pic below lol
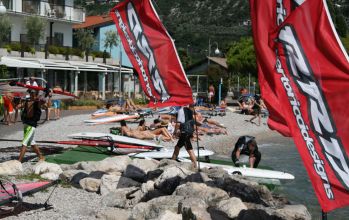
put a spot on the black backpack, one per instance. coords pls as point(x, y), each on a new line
point(188, 126)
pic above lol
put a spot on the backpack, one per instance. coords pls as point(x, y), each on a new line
point(188, 126)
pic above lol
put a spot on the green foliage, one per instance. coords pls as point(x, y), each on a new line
point(5, 27)
point(111, 40)
point(3, 72)
point(32, 50)
point(53, 49)
point(82, 102)
point(35, 29)
point(30, 176)
point(140, 101)
point(241, 57)
point(184, 57)
point(341, 26)
point(85, 39)
point(8, 48)
point(345, 42)
point(99, 54)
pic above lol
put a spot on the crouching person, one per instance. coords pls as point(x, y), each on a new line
point(246, 145)
point(30, 116)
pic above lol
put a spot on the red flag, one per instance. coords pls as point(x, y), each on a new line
point(152, 53)
point(311, 80)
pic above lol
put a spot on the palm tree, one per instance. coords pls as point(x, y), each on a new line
point(111, 39)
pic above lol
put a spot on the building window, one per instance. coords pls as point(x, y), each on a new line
point(58, 39)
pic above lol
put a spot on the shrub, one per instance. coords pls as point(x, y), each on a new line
point(8, 48)
point(99, 54)
point(53, 50)
point(32, 50)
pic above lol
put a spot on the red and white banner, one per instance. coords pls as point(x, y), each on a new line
point(306, 69)
point(152, 53)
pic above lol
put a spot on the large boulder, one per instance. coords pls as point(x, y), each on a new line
point(110, 164)
point(209, 194)
point(167, 163)
point(139, 168)
point(231, 207)
point(45, 167)
point(234, 188)
point(113, 182)
point(90, 184)
point(168, 181)
point(193, 208)
point(119, 198)
point(256, 214)
point(154, 208)
point(168, 215)
point(11, 167)
point(113, 214)
point(198, 177)
point(296, 212)
point(47, 170)
point(68, 175)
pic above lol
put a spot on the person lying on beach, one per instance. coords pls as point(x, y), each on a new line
point(158, 130)
point(200, 120)
point(211, 129)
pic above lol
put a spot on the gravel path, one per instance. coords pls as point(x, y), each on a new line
point(72, 203)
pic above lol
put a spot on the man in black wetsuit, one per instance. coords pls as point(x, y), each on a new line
point(246, 145)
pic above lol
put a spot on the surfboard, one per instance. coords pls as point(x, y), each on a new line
point(167, 153)
point(116, 138)
point(109, 119)
point(248, 172)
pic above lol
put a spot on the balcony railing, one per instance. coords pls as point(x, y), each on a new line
point(46, 9)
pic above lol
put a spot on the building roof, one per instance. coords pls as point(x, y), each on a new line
point(220, 61)
point(95, 21)
point(36, 63)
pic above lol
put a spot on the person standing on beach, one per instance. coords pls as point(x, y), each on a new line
point(30, 116)
point(211, 93)
point(246, 145)
point(185, 121)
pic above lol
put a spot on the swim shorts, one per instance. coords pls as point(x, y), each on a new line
point(29, 132)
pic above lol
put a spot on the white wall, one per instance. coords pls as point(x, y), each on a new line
point(18, 27)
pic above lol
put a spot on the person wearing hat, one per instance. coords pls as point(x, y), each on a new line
point(30, 116)
point(246, 145)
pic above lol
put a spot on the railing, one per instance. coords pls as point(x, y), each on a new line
point(46, 9)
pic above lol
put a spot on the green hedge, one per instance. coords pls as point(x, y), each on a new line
point(17, 47)
point(81, 102)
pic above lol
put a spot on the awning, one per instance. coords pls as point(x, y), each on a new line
point(36, 63)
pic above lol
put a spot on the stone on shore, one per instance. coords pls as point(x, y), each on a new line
point(232, 207)
point(209, 194)
point(138, 169)
point(114, 214)
point(168, 181)
point(110, 164)
point(47, 170)
point(298, 212)
point(112, 182)
point(11, 168)
point(90, 184)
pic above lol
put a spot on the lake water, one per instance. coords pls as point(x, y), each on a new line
point(281, 154)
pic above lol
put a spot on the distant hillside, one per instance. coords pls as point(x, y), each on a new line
point(193, 22)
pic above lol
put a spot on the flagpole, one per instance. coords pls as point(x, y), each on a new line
point(324, 215)
point(197, 139)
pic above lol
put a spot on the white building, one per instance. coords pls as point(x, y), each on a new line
point(61, 15)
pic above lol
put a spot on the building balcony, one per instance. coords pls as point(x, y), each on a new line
point(45, 9)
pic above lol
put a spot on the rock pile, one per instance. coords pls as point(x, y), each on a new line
point(166, 189)
point(149, 189)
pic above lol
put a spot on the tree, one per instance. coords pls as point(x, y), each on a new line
point(35, 29)
point(3, 72)
point(241, 57)
point(85, 39)
point(5, 27)
point(111, 40)
point(184, 57)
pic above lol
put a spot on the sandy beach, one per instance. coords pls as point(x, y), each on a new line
point(73, 203)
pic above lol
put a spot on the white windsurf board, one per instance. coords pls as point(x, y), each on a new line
point(115, 118)
point(167, 153)
point(116, 138)
point(249, 172)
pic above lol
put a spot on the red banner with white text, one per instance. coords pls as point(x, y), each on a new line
point(152, 53)
point(307, 70)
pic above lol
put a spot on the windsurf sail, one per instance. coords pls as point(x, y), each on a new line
point(10, 191)
point(152, 53)
point(304, 74)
